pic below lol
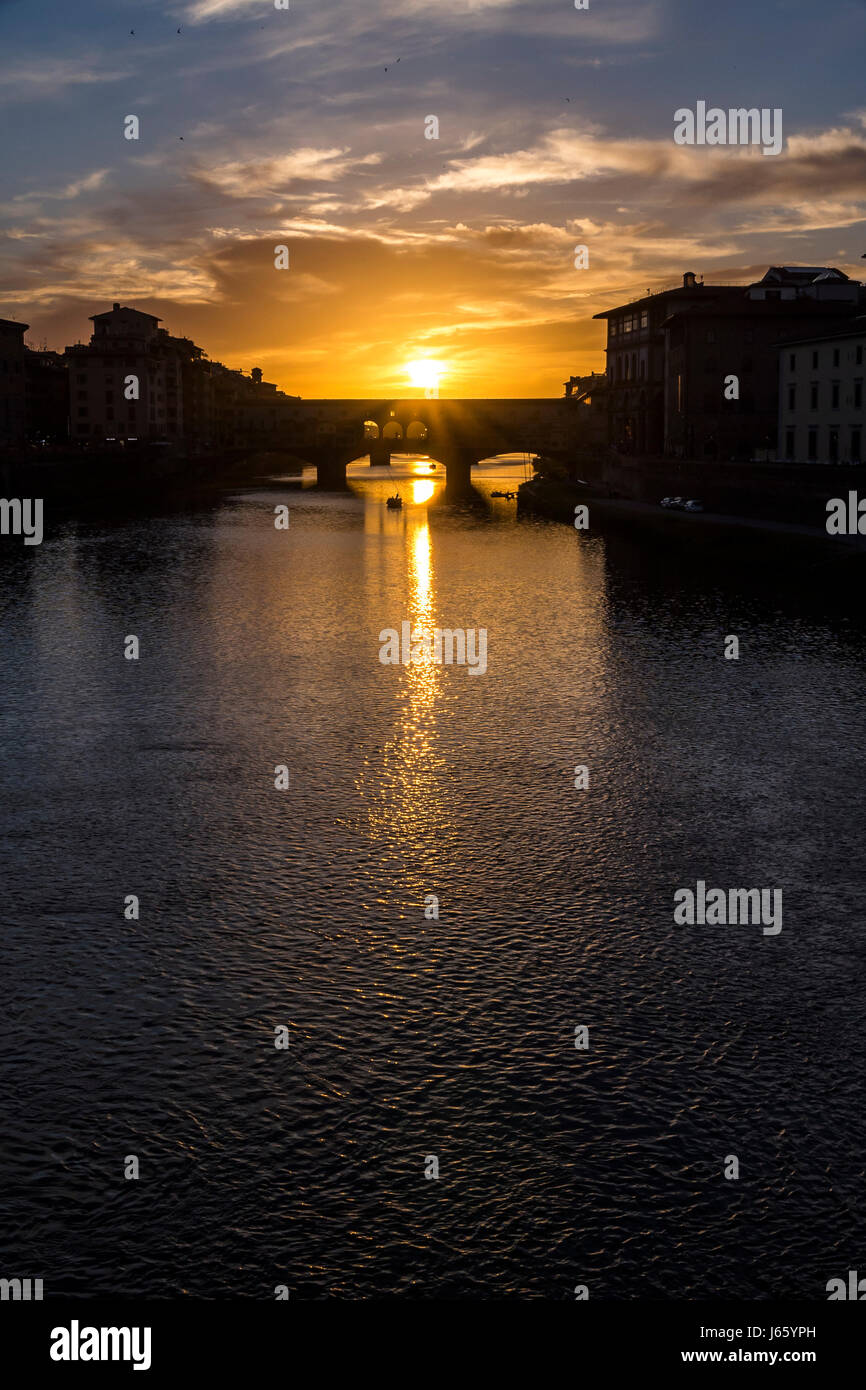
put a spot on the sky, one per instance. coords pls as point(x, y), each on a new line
point(306, 128)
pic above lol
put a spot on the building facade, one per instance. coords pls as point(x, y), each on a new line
point(46, 396)
point(693, 371)
point(12, 393)
point(821, 405)
point(134, 381)
point(637, 366)
point(588, 396)
point(124, 383)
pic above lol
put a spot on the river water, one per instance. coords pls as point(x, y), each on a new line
point(414, 1038)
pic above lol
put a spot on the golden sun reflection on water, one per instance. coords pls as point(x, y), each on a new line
point(422, 490)
point(407, 789)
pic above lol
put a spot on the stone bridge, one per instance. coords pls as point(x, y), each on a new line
point(457, 433)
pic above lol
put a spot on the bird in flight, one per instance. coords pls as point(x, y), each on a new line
point(132, 32)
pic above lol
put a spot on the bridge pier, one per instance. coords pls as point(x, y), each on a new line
point(380, 453)
point(331, 469)
point(458, 471)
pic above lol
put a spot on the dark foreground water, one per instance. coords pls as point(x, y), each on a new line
point(412, 1037)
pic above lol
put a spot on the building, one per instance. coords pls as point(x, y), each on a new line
point(821, 409)
point(824, 284)
point(722, 378)
point(134, 381)
point(46, 396)
point(693, 371)
point(636, 362)
point(248, 410)
point(12, 398)
point(588, 395)
point(124, 383)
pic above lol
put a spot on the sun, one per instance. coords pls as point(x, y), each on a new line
point(424, 373)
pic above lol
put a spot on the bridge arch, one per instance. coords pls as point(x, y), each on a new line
point(392, 430)
point(417, 431)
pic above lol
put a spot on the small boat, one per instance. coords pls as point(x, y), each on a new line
point(507, 495)
point(395, 501)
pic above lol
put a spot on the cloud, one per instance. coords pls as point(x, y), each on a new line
point(31, 81)
point(88, 184)
point(265, 178)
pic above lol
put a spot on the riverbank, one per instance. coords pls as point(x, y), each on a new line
point(90, 478)
point(557, 499)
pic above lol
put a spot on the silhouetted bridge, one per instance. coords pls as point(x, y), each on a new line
point(458, 433)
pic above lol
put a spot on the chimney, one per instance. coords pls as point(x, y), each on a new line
point(115, 307)
point(689, 280)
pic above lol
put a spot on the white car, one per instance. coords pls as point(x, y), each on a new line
point(693, 505)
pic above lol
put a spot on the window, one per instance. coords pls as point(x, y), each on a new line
point(858, 354)
point(747, 364)
point(855, 446)
point(82, 376)
point(82, 411)
point(813, 396)
point(679, 392)
point(109, 412)
point(82, 395)
point(858, 394)
point(834, 444)
point(711, 335)
point(792, 398)
point(109, 397)
point(835, 357)
point(792, 362)
point(644, 318)
point(711, 364)
point(749, 335)
point(834, 395)
point(813, 446)
point(789, 444)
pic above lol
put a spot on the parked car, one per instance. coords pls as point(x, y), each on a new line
point(666, 502)
point(693, 505)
